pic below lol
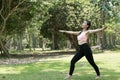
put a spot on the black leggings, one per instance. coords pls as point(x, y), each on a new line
point(84, 50)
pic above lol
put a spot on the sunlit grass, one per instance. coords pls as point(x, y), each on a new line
point(56, 69)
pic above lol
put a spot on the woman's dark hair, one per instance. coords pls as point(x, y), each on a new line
point(88, 23)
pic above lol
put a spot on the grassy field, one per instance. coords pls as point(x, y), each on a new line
point(56, 68)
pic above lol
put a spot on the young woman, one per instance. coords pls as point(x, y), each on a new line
point(83, 48)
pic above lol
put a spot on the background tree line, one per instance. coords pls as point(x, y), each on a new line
point(35, 23)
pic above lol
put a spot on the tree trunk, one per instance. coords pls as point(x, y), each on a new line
point(4, 50)
point(69, 44)
point(104, 42)
point(28, 38)
point(8, 44)
point(14, 43)
point(109, 39)
point(20, 47)
point(5, 12)
point(55, 41)
point(114, 39)
point(98, 38)
point(53, 38)
point(29, 42)
point(33, 42)
point(73, 41)
point(43, 44)
point(94, 39)
point(103, 20)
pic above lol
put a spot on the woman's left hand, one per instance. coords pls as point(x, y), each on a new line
point(104, 27)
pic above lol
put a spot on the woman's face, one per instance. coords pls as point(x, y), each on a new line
point(84, 25)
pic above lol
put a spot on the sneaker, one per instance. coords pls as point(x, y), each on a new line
point(67, 77)
point(98, 77)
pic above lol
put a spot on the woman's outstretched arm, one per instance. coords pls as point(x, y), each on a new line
point(97, 30)
point(70, 32)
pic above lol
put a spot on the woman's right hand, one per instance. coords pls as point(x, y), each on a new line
point(104, 27)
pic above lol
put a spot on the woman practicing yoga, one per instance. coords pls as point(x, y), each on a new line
point(83, 48)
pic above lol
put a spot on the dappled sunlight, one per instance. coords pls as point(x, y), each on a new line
point(58, 68)
point(11, 70)
point(48, 66)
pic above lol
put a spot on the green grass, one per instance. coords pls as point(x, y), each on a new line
point(56, 68)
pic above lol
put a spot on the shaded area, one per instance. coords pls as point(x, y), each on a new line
point(29, 58)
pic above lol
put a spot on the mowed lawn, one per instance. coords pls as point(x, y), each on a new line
point(56, 68)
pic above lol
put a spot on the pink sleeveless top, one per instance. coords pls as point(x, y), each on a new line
point(82, 37)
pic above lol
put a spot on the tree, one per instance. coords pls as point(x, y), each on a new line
point(57, 19)
point(69, 16)
point(7, 8)
point(14, 15)
point(109, 13)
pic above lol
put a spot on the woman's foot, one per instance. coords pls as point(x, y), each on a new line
point(98, 77)
point(68, 77)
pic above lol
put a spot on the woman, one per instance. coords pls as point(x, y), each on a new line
point(83, 48)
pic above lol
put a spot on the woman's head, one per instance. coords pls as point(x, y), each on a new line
point(86, 24)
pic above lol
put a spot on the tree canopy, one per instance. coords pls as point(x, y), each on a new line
point(35, 23)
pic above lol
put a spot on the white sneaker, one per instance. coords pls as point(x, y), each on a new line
point(98, 77)
point(68, 77)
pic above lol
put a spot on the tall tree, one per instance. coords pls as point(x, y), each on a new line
point(51, 26)
point(7, 8)
point(69, 16)
point(108, 15)
point(13, 17)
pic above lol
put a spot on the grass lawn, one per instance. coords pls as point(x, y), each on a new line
point(56, 68)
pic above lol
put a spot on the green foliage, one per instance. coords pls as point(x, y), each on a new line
point(69, 15)
point(43, 18)
point(110, 7)
point(16, 23)
point(56, 20)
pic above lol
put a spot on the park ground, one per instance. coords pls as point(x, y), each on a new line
point(56, 67)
